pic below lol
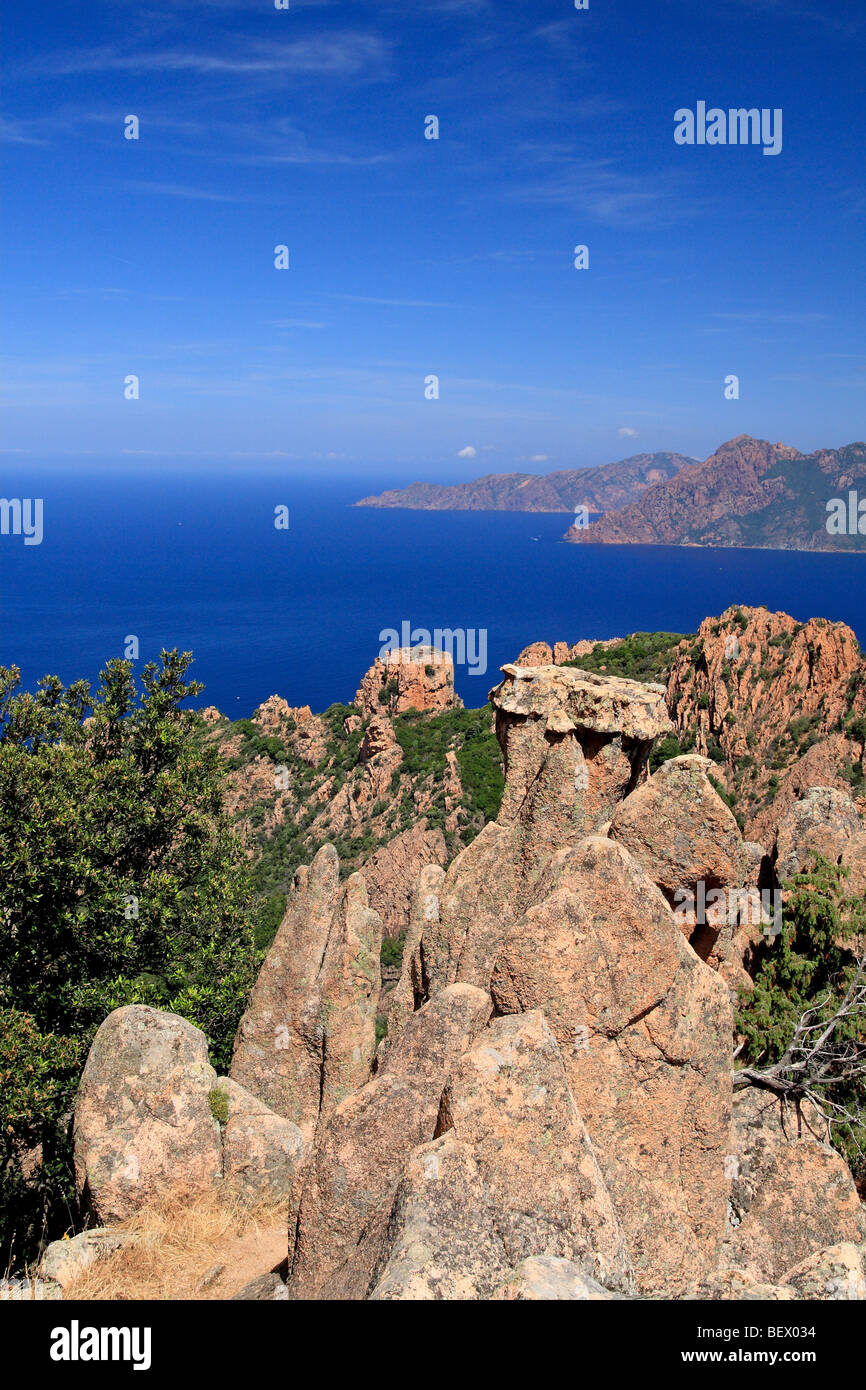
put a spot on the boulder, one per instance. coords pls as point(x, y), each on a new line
point(687, 841)
point(143, 1120)
point(261, 1150)
point(64, 1260)
point(575, 744)
point(477, 901)
point(512, 1176)
point(508, 1101)
point(437, 1243)
point(679, 830)
point(790, 1196)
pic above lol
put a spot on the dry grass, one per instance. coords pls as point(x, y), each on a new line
point(173, 1243)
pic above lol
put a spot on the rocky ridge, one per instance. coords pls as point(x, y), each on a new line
point(552, 1113)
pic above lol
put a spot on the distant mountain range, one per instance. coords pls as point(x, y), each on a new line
point(602, 489)
point(748, 493)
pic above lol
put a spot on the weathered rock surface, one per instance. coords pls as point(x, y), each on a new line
point(477, 900)
point(307, 1038)
point(854, 860)
point(360, 1151)
point(143, 1122)
point(435, 1242)
point(771, 693)
point(513, 1175)
point(64, 1260)
point(738, 1285)
point(266, 1288)
point(687, 841)
point(680, 831)
point(508, 1100)
point(790, 1197)
point(261, 1150)
point(413, 987)
point(645, 1029)
point(573, 745)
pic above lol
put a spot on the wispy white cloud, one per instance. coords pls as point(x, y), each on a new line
point(770, 316)
point(601, 191)
point(180, 190)
point(14, 132)
point(298, 323)
point(342, 54)
point(393, 303)
point(626, 432)
point(469, 452)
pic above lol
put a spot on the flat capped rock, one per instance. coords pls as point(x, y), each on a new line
point(569, 698)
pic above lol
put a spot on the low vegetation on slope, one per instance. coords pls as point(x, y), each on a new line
point(293, 800)
point(644, 656)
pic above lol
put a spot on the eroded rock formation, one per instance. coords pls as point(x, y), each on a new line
point(308, 1036)
point(420, 678)
point(551, 1114)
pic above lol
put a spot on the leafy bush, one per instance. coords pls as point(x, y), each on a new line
point(426, 739)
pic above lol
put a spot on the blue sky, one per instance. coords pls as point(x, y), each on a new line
point(411, 257)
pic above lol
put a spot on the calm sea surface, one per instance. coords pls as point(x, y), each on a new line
point(193, 560)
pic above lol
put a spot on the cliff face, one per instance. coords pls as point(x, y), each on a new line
point(748, 493)
point(598, 489)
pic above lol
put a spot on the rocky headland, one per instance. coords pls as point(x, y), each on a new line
point(599, 489)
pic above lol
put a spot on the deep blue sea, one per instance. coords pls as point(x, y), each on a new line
point(193, 560)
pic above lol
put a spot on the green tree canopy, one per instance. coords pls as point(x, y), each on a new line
point(121, 882)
